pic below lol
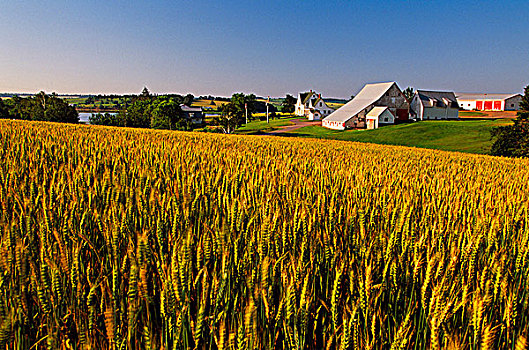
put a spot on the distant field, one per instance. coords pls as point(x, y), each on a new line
point(470, 136)
point(334, 105)
point(207, 103)
point(75, 100)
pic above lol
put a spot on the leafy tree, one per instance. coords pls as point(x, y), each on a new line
point(188, 100)
point(107, 119)
point(524, 105)
point(408, 93)
point(260, 107)
point(513, 140)
point(230, 118)
point(165, 114)
point(239, 100)
point(137, 114)
point(4, 111)
point(289, 104)
point(19, 108)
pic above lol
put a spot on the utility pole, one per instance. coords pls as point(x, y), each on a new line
point(246, 112)
point(267, 101)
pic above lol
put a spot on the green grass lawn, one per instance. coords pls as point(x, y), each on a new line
point(471, 136)
point(257, 126)
point(463, 114)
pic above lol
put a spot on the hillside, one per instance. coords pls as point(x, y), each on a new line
point(471, 136)
point(136, 238)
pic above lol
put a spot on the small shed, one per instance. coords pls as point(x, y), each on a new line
point(379, 116)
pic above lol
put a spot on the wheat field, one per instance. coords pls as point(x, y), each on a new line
point(120, 239)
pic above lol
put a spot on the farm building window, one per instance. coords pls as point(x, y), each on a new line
point(386, 119)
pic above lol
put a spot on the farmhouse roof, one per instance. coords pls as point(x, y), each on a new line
point(376, 112)
point(186, 108)
point(438, 98)
point(471, 97)
point(316, 100)
point(305, 96)
point(370, 94)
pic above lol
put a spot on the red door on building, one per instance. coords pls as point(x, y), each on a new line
point(488, 105)
point(497, 105)
point(402, 114)
point(479, 105)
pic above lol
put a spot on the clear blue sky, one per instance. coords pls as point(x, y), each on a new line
point(264, 47)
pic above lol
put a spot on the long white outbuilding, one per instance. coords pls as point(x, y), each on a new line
point(489, 102)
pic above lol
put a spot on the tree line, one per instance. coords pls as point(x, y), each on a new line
point(144, 111)
point(148, 111)
point(40, 107)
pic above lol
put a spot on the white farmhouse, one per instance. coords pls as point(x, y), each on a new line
point(312, 106)
point(354, 113)
point(489, 102)
point(432, 105)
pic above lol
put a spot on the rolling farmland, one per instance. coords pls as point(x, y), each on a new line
point(123, 238)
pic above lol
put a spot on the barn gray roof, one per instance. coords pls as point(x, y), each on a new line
point(370, 94)
point(438, 98)
point(465, 96)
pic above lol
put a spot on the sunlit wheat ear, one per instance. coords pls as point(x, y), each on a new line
point(521, 343)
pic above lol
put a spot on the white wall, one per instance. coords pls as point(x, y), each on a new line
point(513, 103)
point(432, 113)
point(467, 104)
point(387, 114)
point(332, 125)
point(323, 108)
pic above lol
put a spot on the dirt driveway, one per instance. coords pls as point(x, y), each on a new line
point(491, 115)
point(297, 123)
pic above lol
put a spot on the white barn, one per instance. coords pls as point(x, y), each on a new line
point(354, 113)
point(432, 105)
point(312, 106)
point(489, 102)
point(378, 116)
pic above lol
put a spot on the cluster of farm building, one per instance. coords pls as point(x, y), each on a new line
point(385, 103)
